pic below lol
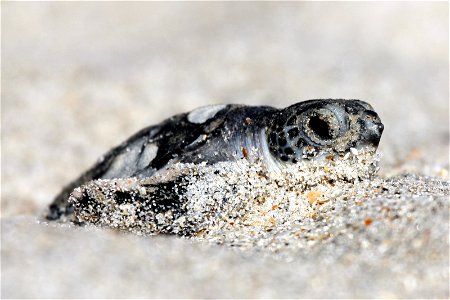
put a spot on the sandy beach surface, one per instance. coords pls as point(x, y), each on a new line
point(79, 78)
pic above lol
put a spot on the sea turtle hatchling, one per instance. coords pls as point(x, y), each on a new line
point(304, 132)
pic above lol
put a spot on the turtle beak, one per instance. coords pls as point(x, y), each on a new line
point(371, 129)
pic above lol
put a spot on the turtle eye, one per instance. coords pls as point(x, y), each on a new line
point(320, 127)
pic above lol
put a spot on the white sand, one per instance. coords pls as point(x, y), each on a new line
point(78, 78)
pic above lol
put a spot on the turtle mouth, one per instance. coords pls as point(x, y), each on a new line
point(374, 140)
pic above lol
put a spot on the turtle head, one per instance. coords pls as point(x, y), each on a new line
point(331, 127)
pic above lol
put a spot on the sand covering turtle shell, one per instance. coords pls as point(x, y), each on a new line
point(228, 199)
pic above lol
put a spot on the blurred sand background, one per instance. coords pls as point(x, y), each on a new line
point(79, 78)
